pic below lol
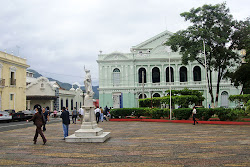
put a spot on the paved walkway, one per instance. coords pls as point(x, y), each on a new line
point(132, 144)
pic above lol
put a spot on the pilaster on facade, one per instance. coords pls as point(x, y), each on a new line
point(140, 57)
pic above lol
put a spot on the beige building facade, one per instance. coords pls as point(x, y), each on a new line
point(41, 91)
point(12, 82)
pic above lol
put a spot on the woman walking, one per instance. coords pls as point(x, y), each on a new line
point(38, 120)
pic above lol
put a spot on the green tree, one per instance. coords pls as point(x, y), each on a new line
point(241, 40)
point(213, 28)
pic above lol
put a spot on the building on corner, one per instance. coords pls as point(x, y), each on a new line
point(41, 91)
point(12, 82)
point(120, 75)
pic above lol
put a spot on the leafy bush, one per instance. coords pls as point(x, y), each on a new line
point(157, 113)
point(230, 114)
point(222, 113)
point(123, 112)
point(204, 113)
point(182, 113)
point(240, 98)
point(182, 100)
point(248, 107)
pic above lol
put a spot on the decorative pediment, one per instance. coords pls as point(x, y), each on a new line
point(116, 56)
point(153, 42)
point(39, 81)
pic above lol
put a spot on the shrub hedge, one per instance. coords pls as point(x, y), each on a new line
point(224, 114)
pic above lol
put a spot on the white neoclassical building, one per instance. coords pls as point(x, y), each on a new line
point(41, 91)
point(120, 75)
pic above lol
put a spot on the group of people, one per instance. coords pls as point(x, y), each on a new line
point(41, 117)
point(102, 114)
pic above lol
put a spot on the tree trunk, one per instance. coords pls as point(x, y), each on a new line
point(218, 87)
point(210, 87)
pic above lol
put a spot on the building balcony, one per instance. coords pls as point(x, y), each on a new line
point(12, 82)
point(183, 83)
point(2, 82)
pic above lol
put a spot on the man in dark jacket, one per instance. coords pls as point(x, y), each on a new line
point(65, 122)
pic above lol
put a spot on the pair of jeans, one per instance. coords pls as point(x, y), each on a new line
point(101, 117)
point(74, 118)
point(44, 128)
point(65, 130)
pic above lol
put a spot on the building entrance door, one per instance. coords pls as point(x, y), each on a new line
point(224, 99)
point(116, 101)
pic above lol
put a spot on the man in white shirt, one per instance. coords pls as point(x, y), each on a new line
point(97, 114)
point(81, 114)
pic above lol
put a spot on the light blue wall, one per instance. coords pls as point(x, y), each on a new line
point(150, 54)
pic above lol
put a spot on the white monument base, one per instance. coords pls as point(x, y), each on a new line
point(88, 139)
point(89, 131)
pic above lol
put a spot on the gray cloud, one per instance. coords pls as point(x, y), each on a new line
point(59, 37)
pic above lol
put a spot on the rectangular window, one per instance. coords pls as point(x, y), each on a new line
point(67, 103)
point(12, 78)
point(11, 97)
point(72, 104)
point(61, 103)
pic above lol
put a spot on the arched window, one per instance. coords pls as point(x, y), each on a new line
point(42, 85)
point(116, 76)
point(156, 95)
point(197, 73)
point(183, 74)
point(140, 75)
point(224, 99)
point(155, 75)
point(140, 96)
point(167, 74)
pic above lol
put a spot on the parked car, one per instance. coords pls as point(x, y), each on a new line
point(16, 116)
point(27, 114)
point(5, 116)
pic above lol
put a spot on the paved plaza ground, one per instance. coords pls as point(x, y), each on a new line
point(132, 144)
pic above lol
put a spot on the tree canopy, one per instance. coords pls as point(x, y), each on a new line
point(214, 29)
point(242, 41)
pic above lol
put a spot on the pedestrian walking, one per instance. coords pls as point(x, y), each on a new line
point(101, 114)
point(194, 115)
point(55, 113)
point(81, 114)
point(38, 120)
point(97, 114)
point(74, 115)
point(65, 122)
point(46, 117)
point(105, 113)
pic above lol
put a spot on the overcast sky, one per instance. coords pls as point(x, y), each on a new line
point(59, 37)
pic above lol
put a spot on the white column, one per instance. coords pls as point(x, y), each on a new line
point(28, 104)
point(51, 105)
point(177, 74)
point(162, 75)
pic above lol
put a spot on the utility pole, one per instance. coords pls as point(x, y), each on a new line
point(142, 84)
point(206, 71)
point(170, 106)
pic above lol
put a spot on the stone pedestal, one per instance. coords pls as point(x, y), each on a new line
point(89, 131)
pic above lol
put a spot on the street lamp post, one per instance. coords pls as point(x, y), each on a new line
point(151, 99)
point(206, 71)
point(170, 100)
